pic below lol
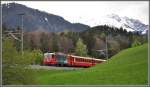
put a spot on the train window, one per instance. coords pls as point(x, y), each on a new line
point(77, 60)
point(46, 55)
point(52, 56)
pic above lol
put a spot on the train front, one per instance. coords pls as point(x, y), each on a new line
point(49, 59)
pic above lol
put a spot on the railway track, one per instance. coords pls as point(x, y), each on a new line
point(53, 67)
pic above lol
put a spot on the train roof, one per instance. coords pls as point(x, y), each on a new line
point(48, 53)
point(88, 58)
point(60, 53)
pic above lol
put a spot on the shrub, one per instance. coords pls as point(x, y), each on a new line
point(38, 55)
point(14, 67)
point(136, 43)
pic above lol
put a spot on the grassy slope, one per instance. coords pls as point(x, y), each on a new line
point(127, 67)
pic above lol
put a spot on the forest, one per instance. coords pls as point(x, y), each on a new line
point(94, 40)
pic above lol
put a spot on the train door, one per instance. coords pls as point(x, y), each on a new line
point(72, 61)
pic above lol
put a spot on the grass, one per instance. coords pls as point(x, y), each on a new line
point(128, 67)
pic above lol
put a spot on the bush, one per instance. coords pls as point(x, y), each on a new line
point(136, 43)
point(38, 55)
point(14, 67)
point(34, 57)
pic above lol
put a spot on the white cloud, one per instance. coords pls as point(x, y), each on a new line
point(90, 12)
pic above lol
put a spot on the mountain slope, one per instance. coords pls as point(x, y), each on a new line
point(127, 23)
point(129, 67)
point(36, 20)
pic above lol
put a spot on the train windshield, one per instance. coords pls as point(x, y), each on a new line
point(48, 55)
point(61, 58)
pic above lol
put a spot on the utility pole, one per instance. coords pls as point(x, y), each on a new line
point(106, 48)
point(22, 14)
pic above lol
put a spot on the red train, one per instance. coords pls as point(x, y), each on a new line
point(62, 59)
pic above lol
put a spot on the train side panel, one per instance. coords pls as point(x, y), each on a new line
point(81, 62)
point(70, 61)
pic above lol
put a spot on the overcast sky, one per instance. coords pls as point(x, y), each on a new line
point(90, 12)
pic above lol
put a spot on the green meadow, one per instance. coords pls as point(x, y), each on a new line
point(128, 67)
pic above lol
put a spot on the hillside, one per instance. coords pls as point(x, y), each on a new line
point(36, 20)
point(129, 66)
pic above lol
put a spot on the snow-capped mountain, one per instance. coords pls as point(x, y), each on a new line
point(129, 24)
